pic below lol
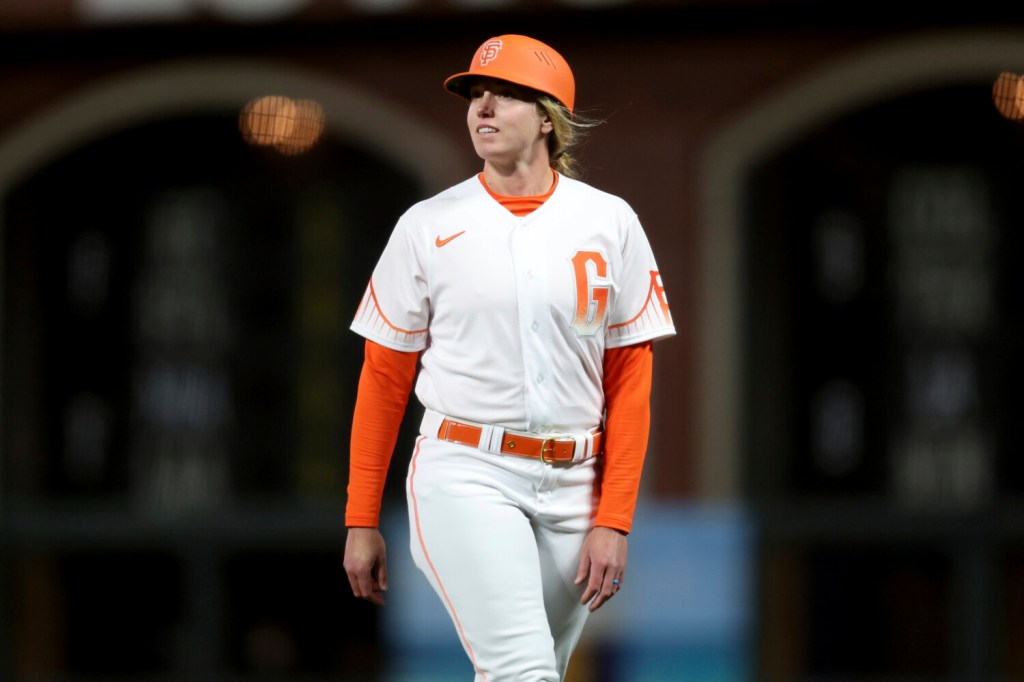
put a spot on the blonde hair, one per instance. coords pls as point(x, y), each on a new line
point(569, 131)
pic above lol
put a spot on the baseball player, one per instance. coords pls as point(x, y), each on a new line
point(528, 301)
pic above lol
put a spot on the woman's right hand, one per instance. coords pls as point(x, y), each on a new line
point(366, 564)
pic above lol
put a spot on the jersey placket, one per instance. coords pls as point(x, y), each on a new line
point(533, 302)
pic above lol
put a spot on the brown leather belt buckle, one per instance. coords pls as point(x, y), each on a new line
point(547, 447)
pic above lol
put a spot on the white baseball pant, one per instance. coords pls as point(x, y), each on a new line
point(499, 539)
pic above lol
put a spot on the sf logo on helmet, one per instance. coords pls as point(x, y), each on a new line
point(489, 51)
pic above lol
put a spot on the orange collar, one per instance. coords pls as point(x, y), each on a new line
point(521, 206)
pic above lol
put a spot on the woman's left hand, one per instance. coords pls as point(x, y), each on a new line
point(602, 565)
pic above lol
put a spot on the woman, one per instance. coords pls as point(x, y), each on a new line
point(530, 301)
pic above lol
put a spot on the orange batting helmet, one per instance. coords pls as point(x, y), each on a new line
point(520, 60)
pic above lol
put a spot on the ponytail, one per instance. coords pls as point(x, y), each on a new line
point(568, 131)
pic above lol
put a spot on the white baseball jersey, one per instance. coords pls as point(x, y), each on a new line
point(514, 313)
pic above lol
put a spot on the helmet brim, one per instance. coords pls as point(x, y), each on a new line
point(460, 83)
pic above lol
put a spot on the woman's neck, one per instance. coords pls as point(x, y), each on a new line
point(518, 181)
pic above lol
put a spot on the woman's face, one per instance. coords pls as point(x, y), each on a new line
point(505, 123)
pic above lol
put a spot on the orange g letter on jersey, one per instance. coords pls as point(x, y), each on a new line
point(591, 271)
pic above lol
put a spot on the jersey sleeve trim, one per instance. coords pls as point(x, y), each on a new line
point(371, 322)
point(653, 321)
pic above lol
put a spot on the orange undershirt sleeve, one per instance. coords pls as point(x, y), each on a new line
point(384, 386)
point(627, 392)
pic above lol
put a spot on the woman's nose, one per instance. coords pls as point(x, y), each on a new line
point(486, 103)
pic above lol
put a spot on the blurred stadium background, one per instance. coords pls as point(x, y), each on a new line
point(193, 194)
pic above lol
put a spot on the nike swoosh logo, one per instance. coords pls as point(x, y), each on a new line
point(441, 242)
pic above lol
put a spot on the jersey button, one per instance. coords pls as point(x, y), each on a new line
point(540, 378)
point(536, 325)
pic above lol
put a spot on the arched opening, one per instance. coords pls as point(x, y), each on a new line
point(177, 373)
point(862, 300)
point(877, 74)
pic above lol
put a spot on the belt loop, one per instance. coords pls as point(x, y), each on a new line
point(490, 439)
point(584, 447)
point(486, 436)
